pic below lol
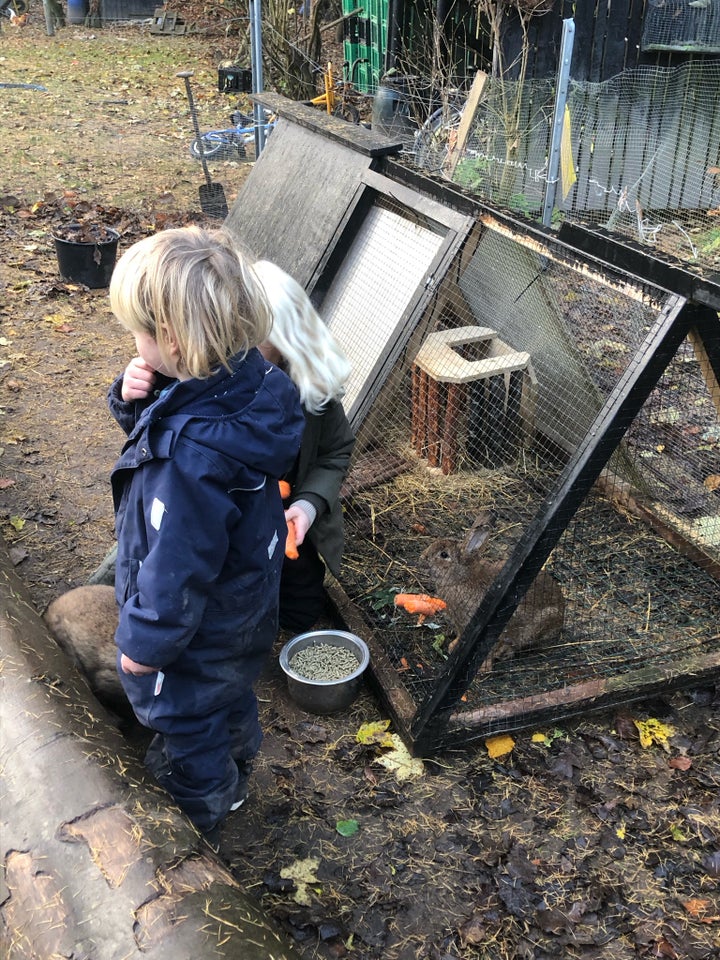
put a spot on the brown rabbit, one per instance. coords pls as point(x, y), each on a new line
point(83, 622)
point(462, 576)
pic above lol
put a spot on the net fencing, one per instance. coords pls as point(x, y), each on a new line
point(467, 431)
point(640, 153)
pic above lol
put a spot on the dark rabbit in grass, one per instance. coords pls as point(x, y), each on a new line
point(462, 575)
point(83, 622)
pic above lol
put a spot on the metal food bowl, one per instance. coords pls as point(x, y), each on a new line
point(324, 696)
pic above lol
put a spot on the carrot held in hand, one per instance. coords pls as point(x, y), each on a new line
point(420, 603)
point(291, 550)
point(284, 489)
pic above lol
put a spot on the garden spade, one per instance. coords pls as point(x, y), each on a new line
point(212, 195)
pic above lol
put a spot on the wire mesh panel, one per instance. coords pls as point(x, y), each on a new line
point(640, 153)
point(532, 508)
point(533, 512)
point(679, 25)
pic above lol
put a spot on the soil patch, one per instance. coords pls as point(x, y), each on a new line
point(580, 842)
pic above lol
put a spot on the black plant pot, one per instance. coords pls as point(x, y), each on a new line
point(86, 255)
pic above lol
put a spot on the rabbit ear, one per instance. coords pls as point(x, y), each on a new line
point(479, 532)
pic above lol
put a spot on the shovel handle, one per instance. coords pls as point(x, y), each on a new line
point(185, 75)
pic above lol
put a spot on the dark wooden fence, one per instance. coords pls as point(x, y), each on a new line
point(610, 35)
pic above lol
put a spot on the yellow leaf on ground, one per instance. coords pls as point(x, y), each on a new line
point(654, 731)
point(499, 746)
point(399, 761)
point(57, 319)
point(376, 732)
point(303, 873)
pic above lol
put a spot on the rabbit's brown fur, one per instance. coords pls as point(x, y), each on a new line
point(83, 622)
point(462, 575)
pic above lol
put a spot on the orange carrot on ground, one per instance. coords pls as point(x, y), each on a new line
point(284, 489)
point(291, 550)
point(420, 603)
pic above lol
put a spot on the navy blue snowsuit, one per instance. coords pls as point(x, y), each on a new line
point(201, 535)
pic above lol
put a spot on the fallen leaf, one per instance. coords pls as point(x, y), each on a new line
point(712, 482)
point(347, 828)
point(625, 726)
point(399, 761)
point(56, 319)
point(680, 763)
point(17, 555)
point(376, 732)
point(499, 746)
point(676, 832)
point(701, 910)
point(6, 482)
point(370, 776)
point(654, 731)
point(304, 873)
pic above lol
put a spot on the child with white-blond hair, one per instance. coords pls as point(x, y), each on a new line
point(301, 344)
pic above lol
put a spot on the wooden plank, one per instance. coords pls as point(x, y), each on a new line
point(620, 492)
point(297, 192)
point(571, 700)
point(466, 122)
point(706, 368)
point(383, 677)
point(352, 135)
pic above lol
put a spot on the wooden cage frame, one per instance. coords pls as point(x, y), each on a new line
point(689, 306)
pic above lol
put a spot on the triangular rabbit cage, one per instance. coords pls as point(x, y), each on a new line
point(503, 374)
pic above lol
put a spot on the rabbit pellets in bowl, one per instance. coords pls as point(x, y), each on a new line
point(324, 669)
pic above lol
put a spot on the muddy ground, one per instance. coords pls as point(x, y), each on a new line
point(578, 843)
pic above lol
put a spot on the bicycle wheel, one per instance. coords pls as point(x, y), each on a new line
point(346, 111)
point(211, 148)
point(434, 138)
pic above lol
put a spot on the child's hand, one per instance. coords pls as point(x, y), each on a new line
point(138, 380)
point(136, 669)
point(300, 520)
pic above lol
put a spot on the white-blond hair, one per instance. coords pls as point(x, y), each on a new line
point(192, 287)
point(313, 358)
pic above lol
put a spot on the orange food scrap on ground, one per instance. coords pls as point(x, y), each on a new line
point(700, 909)
point(291, 550)
point(284, 489)
point(420, 603)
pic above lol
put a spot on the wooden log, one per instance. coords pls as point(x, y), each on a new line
point(453, 410)
point(433, 422)
point(416, 422)
point(422, 388)
point(98, 861)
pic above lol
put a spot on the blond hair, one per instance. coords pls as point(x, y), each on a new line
point(314, 360)
point(194, 288)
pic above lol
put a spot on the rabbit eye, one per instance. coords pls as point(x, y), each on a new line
point(444, 555)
